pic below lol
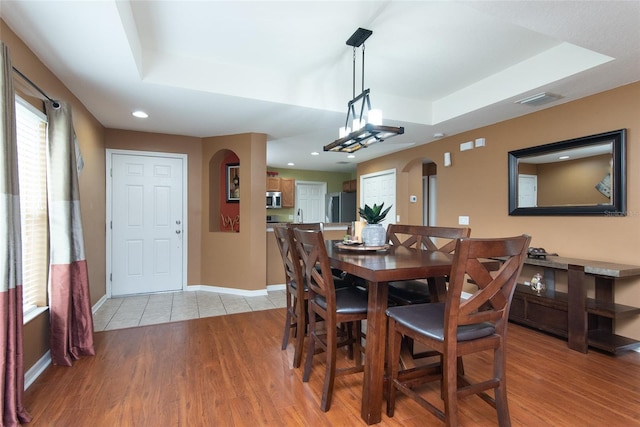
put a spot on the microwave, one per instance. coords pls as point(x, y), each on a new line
point(274, 199)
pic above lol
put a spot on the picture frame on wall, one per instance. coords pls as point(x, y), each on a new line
point(233, 182)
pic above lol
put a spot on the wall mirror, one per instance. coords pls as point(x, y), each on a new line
point(582, 176)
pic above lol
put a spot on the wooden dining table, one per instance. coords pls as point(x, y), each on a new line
point(378, 267)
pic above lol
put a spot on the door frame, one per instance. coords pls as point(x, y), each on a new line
point(185, 230)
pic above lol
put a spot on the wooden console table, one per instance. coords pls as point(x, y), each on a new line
point(583, 321)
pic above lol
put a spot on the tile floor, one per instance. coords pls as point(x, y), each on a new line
point(140, 310)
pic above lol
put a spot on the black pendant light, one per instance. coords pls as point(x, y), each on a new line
point(363, 132)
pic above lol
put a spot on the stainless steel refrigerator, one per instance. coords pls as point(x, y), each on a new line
point(340, 207)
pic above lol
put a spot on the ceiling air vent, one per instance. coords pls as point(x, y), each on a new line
point(539, 99)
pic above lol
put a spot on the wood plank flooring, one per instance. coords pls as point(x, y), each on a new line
point(230, 371)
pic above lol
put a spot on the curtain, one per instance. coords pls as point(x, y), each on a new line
point(11, 352)
point(69, 299)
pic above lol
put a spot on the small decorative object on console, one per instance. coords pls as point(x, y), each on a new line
point(540, 253)
point(537, 284)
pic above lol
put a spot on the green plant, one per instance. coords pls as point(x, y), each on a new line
point(374, 215)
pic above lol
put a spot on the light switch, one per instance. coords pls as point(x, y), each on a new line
point(413, 199)
point(463, 220)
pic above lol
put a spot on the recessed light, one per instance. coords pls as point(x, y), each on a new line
point(563, 157)
point(351, 156)
point(438, 135)
point(291, 164)
point(315, 153)
point(140, 114)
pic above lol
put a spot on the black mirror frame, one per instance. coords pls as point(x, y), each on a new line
point(619, 193)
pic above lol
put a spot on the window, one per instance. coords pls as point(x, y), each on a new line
point(31, 127)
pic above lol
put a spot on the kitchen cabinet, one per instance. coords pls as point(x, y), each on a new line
point(287, 187)
point(349, 186)
point(273, 183)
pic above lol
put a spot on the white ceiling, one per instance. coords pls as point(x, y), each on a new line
point(208, 68)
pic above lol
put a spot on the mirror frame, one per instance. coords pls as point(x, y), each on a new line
point(618, 176)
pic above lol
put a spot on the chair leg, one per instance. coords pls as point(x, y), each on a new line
point(450, 389)
point(357, 343)
point(330, 369)
point(311, 346)
point(502, 405)
point(301, 321)
point(287, 323)
point(393, 365)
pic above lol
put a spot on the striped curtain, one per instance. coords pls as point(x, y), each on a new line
point(69, 299)
point(11, 353)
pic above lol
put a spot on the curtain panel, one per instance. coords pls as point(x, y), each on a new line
point(69, 299)
point(11, 345)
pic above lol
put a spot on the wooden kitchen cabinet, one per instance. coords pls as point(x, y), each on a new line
point(287, 187)
point(273, 183)
point(349, 186)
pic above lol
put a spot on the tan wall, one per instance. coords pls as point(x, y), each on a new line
point(192, 147)
point(236, 260)
point(476, 184)
point(92, 189)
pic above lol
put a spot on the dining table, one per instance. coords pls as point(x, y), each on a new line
point(378, 266)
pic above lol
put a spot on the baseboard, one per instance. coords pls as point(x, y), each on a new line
point(97, 305)
point(230, 291)
point(38, 368)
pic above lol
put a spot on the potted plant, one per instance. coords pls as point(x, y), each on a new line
point(374, 234)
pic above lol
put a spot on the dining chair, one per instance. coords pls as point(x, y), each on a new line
point(427, 238)
point(347, 306)
point(458, 327)
point(295, 292)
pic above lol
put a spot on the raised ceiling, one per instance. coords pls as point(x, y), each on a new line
point(208, 68)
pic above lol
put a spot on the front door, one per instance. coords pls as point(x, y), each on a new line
point(147, 230)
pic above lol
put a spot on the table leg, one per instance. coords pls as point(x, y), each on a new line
point(372, 387)
point(577, 310)
point(437, 288)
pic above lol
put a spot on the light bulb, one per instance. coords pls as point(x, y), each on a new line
point(375, 117)
point(344, 131)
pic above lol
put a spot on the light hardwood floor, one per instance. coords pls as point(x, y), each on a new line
point(229, 371)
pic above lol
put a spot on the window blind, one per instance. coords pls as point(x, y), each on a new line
point(31, 127)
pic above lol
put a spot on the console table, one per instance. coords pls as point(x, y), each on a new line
point(583, 321)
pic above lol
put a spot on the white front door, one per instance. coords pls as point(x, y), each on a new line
point(377, 188)
point(147, 229)
point(310, 201)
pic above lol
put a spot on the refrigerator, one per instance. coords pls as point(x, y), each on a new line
point(340, 207)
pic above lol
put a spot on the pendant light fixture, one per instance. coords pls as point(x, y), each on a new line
point(360, 131)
